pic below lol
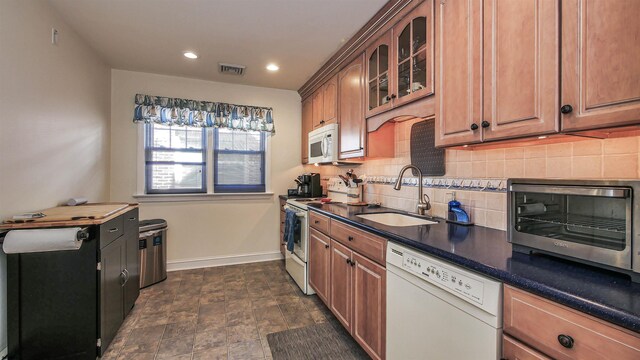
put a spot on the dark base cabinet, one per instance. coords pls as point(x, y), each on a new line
point(70, 304)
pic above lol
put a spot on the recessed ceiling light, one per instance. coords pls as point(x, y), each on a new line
point(190, 55)
point(273, 67)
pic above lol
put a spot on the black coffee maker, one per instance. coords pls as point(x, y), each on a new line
point(309, 185)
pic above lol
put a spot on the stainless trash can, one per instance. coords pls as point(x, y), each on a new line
point(152, 245)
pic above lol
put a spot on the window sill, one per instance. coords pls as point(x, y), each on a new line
point(150, 198)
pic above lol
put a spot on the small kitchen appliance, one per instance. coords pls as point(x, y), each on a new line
point(589, 221)
point(323, 145)
point(309, 185)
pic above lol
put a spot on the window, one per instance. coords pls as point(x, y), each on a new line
point(175, 159)
point(239, 159)
point(178, 160)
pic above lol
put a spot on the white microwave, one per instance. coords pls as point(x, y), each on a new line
point(323, 145)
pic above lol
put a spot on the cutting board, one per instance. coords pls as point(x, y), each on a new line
point(68, 213)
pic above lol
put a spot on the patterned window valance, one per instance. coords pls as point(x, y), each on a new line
point(183, 112)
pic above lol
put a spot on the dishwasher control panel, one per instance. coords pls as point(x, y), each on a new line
point(444, 276)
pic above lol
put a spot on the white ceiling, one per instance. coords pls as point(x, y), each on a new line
point(151, 35)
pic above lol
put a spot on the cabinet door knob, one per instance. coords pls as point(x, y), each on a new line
point(132, 218)
point(474, 126)
point(388, 98)
point(349, 261)
point(566, 109)
point(565, 340)
point(393, 96)
point(113, 230)
point(326, 246)
point(316, 221)
point(485, 124)
point(353, 263)
point(350, 238)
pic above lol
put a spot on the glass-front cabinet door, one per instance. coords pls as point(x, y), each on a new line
point(414, 37)
point(379, 96)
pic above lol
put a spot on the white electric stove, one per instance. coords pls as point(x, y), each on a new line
point(296, 262)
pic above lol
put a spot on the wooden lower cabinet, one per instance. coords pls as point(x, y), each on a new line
point(563, 333)
point(352, 284)
point(512, 349)
point(319, 263)
point(341, 292)
point(370, 303)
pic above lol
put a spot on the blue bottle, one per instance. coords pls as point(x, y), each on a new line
point(456, 214)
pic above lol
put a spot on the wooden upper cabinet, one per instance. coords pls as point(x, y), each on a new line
point(459, 69)
point(352, 130)
point(379, 75)
point(325, 104)
point(413, 55)
point(521, 68)
point(307, 126)
point(317, 109)
point(600, 63)
point(319, 264)
point(330, 101)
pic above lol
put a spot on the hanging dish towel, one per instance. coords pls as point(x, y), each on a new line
point(291, 222)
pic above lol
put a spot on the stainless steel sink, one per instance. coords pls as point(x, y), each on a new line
point(395, 219)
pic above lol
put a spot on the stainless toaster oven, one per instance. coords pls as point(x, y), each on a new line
point(590, 221)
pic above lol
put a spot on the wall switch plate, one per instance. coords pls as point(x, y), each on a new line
point(54, 36)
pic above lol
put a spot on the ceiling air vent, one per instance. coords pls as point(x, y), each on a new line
point(231, 69)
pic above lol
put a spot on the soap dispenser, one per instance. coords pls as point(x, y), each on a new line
point(456, 214)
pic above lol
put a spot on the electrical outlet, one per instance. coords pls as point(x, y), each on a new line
point(54, 36)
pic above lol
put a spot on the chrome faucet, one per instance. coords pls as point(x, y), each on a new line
point(424, 203)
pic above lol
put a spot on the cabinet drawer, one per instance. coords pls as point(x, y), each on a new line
point(544, 324)
point(369, 245)
point(319, 222)
point(111, 230)
point(131, 222)
point(512, 349)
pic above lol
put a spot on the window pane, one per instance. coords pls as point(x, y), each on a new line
point(176, 177)
point(254, 141)
point(177, 156)
point(239, 157)
point(225, 140)
point(239, 169)
point(384, 58)
point(373, 65)
point(178, 138)
point(239, 141)
point(194, 139)
point(161, 138)
point(175, 144)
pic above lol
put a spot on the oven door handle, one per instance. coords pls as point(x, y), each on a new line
point(610, 192)
point(299, 214)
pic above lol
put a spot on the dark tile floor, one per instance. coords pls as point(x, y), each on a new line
point(215, 313)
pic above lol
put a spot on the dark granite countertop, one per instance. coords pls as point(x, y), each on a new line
point(600, 293)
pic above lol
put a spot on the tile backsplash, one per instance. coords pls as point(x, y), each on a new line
point(616, 158)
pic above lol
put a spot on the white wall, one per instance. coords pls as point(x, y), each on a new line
point(212, 230)
point(54, 121)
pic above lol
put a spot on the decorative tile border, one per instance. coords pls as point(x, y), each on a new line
point(493, 185)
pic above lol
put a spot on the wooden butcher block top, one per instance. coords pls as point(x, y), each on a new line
point(64, 216)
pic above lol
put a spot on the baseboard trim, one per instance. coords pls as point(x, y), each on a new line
point(186, 264)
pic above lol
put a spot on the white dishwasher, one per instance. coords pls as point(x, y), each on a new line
point(436, 310)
